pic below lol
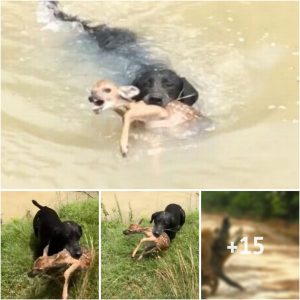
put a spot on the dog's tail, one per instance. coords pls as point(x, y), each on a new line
point(61, 15)
point(37, 204)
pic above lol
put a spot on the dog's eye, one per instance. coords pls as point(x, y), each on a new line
point(167, 82)
point(148, 83)
point(107, 90)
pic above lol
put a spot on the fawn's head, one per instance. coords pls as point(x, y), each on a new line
point(106, 95)
point(134, 228)
point(40, 264)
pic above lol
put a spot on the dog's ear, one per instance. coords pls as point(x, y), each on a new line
point(188, 94)
point(128, 91)
point(80, 230)
point(154, 216)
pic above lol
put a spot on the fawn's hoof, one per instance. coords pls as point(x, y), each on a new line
point(124, 151)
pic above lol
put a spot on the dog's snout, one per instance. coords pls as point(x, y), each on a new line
point(156, 233)
point(155, 100)
point(77, 253)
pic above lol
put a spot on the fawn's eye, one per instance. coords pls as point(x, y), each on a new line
point(107, 90)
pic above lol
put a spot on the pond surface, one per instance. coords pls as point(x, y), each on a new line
point(241, 56)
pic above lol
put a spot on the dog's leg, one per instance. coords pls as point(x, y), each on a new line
point(67, 275)
point(230, 281)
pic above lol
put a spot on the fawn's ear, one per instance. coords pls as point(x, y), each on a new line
point(45, 251)
point(128, 91)
point(140, 222)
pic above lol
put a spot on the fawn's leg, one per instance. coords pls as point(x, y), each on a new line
point(125, 133)
point(67, 275)
point(143, 240)
point(137, 248)
point(147, 250)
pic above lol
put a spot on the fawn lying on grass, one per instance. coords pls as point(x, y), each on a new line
point(155, 244)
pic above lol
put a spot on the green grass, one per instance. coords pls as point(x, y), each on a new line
point(174, 275)
point(17, 257)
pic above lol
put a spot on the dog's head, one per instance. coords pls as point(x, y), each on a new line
point(160, 86)
point(106, 95)
point(162, 222)
point(67, 237)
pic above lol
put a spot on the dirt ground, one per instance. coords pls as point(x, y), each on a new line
point(272, 275)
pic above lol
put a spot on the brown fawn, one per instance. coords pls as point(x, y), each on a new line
point(62, 259)
point(160, 243)
point(106, 95)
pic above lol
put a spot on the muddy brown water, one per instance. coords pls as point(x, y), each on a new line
point(241, 56)
point(272, 275)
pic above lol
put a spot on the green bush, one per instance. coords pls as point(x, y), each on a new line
point(258, 205)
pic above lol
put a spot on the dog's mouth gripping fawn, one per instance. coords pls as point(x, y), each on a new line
point(154, 244)
point(106, 95)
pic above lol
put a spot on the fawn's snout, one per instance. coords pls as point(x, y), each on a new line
point(103, 95)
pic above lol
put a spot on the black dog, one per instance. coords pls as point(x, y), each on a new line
point(50, 230)
point(170, 220)
point(156, 82)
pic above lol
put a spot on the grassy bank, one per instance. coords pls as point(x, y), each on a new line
point(174, 275)
point(17, 242)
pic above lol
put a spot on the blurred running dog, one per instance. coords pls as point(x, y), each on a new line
point(214, 254)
